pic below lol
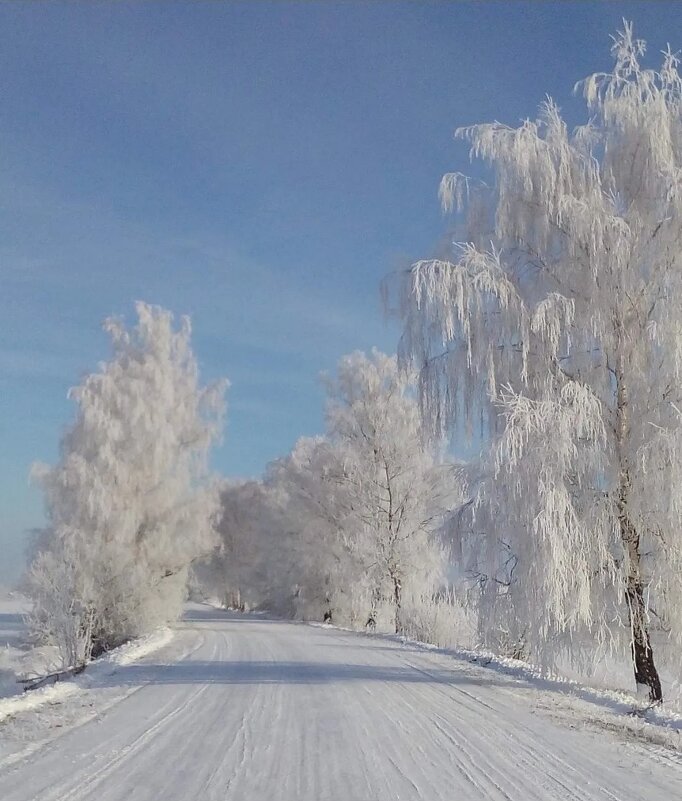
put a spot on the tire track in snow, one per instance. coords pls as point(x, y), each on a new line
point(85, 786)
point(536, 760)
point(548, 768)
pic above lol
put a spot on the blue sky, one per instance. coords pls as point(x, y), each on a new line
point(258, 166)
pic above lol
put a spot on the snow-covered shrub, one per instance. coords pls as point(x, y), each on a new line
point(442, 619)
point(60, 614)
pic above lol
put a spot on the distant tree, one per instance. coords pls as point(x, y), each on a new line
point(398, 493)
point(373, 495)
point(322, 563)
point(129, 505)
point(252, 560)
point(559, 320)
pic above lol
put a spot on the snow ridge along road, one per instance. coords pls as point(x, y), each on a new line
point(265, 710)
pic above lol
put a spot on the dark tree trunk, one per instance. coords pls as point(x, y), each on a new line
point(327, 617)
point(646, 674)
point(397, 598)
point(372, 618)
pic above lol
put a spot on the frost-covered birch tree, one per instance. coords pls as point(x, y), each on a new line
point(399, 494)
point(557, 323)
point(129, 503)
point(373, 496)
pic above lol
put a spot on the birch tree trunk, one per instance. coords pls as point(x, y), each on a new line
point(646, 674)
point(397, 600)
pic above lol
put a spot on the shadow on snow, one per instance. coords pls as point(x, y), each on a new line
point(251, 672)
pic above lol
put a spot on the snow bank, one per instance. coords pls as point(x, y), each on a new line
point(105, 666)
point(137, 649)
point(36, 698)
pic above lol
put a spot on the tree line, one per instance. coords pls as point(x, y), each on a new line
point(548, 331)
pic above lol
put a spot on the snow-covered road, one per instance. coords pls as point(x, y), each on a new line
point(248, 709)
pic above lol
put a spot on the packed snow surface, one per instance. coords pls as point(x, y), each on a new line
point(250, 709)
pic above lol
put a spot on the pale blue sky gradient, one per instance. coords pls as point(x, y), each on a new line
point(258, 166)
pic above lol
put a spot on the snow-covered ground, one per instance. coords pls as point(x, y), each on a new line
point(19, 658)
point(15, 653)
point(55, 693)
point(247, 708)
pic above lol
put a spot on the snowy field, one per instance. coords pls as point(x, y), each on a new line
point(19, 658)
point(247, 708)
point(14, 648)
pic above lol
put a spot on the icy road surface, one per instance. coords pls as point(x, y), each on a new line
point(248, 709)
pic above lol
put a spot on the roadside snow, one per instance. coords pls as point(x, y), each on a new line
point(613, 710)
point(137, 649)
point(95, 671)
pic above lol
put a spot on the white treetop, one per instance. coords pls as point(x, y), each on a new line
point(559, 321)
